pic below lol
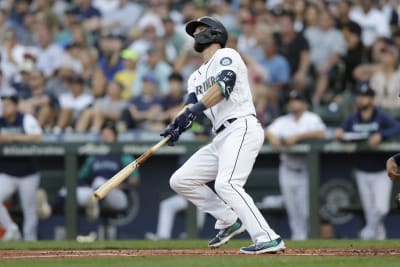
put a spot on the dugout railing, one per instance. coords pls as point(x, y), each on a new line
point(314, 150)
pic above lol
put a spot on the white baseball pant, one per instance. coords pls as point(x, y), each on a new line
point(26, 187)
point(375, 190)
point(294, 187)
point(228, 160)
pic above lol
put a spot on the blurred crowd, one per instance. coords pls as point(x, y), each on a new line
point(76, 64)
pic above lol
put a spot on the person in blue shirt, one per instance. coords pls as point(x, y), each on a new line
point(374, 125)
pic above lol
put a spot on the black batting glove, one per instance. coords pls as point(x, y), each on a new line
point(185, 120)
point(173, 131)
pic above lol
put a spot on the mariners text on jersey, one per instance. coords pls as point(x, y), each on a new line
point(207, 84)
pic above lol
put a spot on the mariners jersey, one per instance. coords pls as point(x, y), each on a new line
point(240, 102)
point(19, 166)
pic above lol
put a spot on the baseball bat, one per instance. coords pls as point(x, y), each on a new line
point(119, 177)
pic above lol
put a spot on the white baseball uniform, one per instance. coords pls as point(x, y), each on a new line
point(20, 174)
point(293, 173)
point(230, 157)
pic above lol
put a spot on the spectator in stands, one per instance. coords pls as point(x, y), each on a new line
point(18, 174)
point(311, 17)
point(58, 83)
point(172, 101)
point(373, 125)
point(352, 34)
point(109, 64)
point(37, 101)
point(386, 80)
point(372, 21)
point(300, 13)
point(90, 15)
point(12, 55)
point(127, 75)
point(107, 108)
point(144, 40)
point(94, 172)
point(88, 58)
point(265, 111)
point(145, 108)
point(49, 54)
point(155, 11)
point(277, 70)
point(63, 36)
point(158, 67)
point(327, 45)
point(5, 21)
point(26, 30)
point(288, 130)
point(72, 104)
point(294, 47)
point(121, 19)
point(390, 13)
point(384, 75)
point(174, 40)
point(247, 41)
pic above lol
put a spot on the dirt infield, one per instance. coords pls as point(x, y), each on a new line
point(107, 253)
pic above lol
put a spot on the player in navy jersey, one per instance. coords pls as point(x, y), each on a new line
point(18, 173)
point(374, 125)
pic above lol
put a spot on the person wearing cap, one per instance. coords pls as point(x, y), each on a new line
point(373, 125)
point(18, 174)
point(127, 75)
point(287, 130)
point(94, 172)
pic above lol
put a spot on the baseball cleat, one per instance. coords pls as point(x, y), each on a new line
point(42, 204)
point(273, 246)
point(226, 234)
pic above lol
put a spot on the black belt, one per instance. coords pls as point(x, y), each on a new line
point(222, 127)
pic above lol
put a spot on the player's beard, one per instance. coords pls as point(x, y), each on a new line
point(200, 47)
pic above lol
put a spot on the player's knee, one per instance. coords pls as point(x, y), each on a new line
point(175, 182)
point(222, 188)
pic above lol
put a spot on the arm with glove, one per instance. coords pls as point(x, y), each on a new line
point(193, 108)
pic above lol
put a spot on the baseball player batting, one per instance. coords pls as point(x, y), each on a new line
point(220, 89)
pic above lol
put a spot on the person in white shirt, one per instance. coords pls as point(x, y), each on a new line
point(72, 103)
point(298, 125)
point(373, 22)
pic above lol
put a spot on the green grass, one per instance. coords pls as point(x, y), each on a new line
point(187, 244)
point(200, 261)
point(252, 261)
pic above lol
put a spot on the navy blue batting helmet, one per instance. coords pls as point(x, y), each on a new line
point(216, 32)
